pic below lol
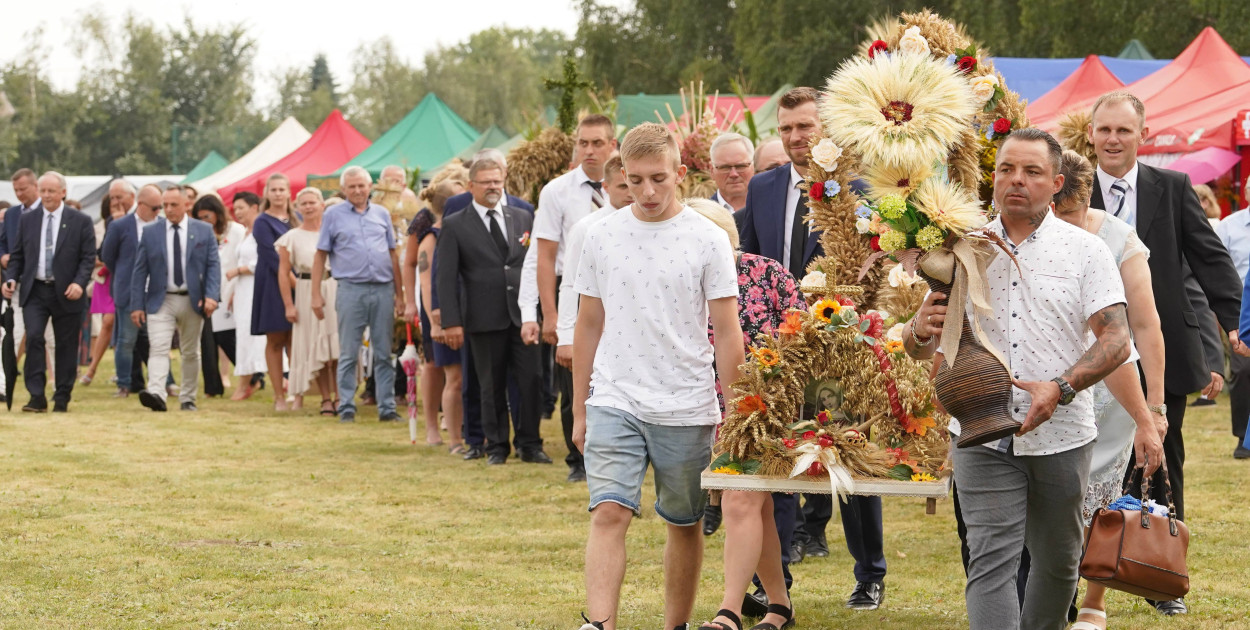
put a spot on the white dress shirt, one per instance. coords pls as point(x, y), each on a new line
point(481, 213)
point(1129, 213)
point(55, 218)
point(140, 224)
point(1234, 232)
point(527, 297)
point(792, 200)
point(169, 255)
point(563, 202)
point(719, 198)
point(567, 320)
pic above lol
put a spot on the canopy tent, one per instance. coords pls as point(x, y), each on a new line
point(766, 115)
point(1206, 164)
point(286, 138)
point(428, 136)
point(1032, 78)
point(641, 108)
point(91, 200)
point(492, 138)
point(1134, 49)
point(211, 163)
point(90, 189)
point(1090, 81)
point(333, 143)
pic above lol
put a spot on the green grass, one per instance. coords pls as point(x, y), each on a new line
point(236, 517)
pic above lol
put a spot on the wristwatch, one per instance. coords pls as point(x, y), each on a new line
point(1159, 409)
point(1066, 393)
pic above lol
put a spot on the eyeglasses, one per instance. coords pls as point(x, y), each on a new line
point(494, 183)
point(729, 168)
point(156, 207)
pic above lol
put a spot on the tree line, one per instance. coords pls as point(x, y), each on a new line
point(156, 99)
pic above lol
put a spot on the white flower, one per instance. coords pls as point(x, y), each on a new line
point(983, 87)
point(862, 225)
point(813, 279)
point(899, 277)
point(913, 42)
point(895, 333)
point(826, 154)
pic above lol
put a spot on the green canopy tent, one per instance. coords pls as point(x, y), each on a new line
point(1134, 49)
point(211, 163)
point(490, 139)
point(427, 137)
point(632, 110)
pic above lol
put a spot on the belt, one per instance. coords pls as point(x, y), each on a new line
point(309, 276)
point(183, 292)
point(50, 283)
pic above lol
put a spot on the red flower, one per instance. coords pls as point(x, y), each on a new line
point(844, 301)
point(967, 64)
point(816, 469)
point(1001, 126)
point(877, 327)
point(825, 441)
point(876, 47)
point(898, 112)
point(817, 191)
point(790, 442)
point(875, 243)
point(807, 435)
point(822, 418)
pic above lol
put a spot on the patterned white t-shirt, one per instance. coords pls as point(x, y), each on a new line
point(655, 279)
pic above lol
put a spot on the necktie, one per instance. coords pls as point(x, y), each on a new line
point(596, 194)
point(798, 238)
point(1119, 188)
point(48, 246)
point(177, 258)
point(497, 233)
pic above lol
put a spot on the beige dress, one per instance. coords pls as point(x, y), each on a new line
point(313, 341)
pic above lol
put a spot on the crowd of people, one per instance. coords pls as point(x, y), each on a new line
point(605, 299)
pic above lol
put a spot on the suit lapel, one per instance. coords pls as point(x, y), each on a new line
point(1096, 200)
point(61, 231)
point(477, 225)
point(1149, 193)
point(514, 232)
point(781, 192)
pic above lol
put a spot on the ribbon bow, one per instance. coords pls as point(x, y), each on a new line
point(963, 265)
point(840, 481)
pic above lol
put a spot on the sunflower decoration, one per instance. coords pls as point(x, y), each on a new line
point(886, 180)
point(949, 207)
point(825, 310)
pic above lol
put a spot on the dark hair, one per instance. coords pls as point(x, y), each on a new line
point(1033, 134)
point(105, 211)
point(798, 96)
point(597, 120)
point(251, 198)
point(73, 203)
point(4, 205)
point(214, 205)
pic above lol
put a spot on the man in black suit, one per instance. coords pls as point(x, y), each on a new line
point(54, 257)
point(771, 224)
point(1162, 206)
point(484, 247)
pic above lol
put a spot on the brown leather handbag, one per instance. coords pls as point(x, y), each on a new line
point(1138, 552)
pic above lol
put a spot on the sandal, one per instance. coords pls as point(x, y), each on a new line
point(720, 625)
point(331, 410)
point(592, 625)
point(1086, 624)
point(777, 609)
point(456, 449)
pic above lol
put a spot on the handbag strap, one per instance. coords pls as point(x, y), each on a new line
point(1144, 486)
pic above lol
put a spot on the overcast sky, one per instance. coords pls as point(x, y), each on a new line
point(290, 33)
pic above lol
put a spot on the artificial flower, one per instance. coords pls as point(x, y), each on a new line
point(895, 333)
point(807, 435)
point(824, 441)
point(825, 309)
point(814, 278)
point(893, 346)
point(791, 323)
point(790, 442)
point(892, 240)
point(875, 243)
point(876, 47)
point(919, 426)
point(890, 179)
point(949, 205)
point(726, 470)
point(823, 417)
point(1002, 126)
point(930, 237)
point(876, 324)
point(816, 469)
point(848, 315)
point(901, 278)
point(751, 404)
point(913, 42)
point(843, 300)
point(766, 356)
point(826, 154)
point(900, 456)
point(966, 64)
point(877, 226)
point(862, 225)
point(892, 206)
point(984, 87)
point(832, 188)
point(923, 476)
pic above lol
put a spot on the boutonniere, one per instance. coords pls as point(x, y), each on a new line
point(525, 239)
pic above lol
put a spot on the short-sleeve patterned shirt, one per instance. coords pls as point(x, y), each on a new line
point(1039, 322)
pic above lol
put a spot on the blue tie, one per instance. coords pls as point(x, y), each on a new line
point(1119, 188)
point(177, 258)
point(48, 246)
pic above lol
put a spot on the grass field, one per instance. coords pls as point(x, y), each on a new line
point(112, 516)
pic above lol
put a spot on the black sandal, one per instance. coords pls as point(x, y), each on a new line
point(332, 409)
point(777, 609)
point(720, 625)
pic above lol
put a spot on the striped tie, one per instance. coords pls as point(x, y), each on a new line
point(596, 193)
point(1119, 188)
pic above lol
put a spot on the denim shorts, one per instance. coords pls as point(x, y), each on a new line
point(618, 449)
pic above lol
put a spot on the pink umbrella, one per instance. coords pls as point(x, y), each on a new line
point(1205, 165)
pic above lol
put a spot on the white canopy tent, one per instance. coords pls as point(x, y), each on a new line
point(286, 138)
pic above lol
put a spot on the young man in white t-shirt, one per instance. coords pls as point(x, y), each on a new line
point(650, 276)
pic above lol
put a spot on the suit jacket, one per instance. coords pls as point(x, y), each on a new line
point(73, 258)
point(762, 226)
point(1171, 223)
point(121, 243)
point(12, 223)
point(202, 273)
point(467, 252)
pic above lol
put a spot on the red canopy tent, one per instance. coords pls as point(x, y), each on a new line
point(1090, 80)
point(331, 146)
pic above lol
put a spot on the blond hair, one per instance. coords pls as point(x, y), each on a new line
point(1210, 205)
point(717, 214)
point(1120, 96)
point(1078, 181)
point(650, 140)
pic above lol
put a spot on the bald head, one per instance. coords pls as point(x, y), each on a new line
point(149, 203)
point(395, 175)
point(121, 195)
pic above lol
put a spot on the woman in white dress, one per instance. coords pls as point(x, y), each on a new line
point(249, 350)
point(314, 342)
point(1127, 420)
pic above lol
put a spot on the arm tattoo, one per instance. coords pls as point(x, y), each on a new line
point(1108, 352)
point(423, 262)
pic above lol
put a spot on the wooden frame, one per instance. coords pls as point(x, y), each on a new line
point(931, 491)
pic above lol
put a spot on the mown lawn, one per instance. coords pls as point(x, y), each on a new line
point(237, 517)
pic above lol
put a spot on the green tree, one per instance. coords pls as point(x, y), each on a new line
point(384, 89)
point(309, 95)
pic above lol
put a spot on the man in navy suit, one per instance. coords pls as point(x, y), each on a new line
point(54, 257)
point(121, 243)
point(175, 285)
point(732, 169)
point(771, 224)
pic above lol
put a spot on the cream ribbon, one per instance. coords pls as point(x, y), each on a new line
point(840, 481)
point(966, 261)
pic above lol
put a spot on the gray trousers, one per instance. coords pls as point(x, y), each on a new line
point(1009, 502)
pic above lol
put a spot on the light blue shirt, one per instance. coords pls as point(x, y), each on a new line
point(1234, 232)
point(359, 243)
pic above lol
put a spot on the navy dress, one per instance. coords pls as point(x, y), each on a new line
point(268, 310)
point(423, 225)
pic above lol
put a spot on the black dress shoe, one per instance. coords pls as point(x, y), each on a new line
point(35, 406)
point(817, 547)
point(60, 407)
point(577, 474)
point(711, 519)
point(151, 401)
point(755, 604)
point(1171, 607)
point(867, 596)
point(494, 459)
point(1241, 452)
point(536, 456)
point(1202, 402)
point(474, 452)
point(796, 553)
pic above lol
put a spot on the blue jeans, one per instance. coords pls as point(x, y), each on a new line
point(124, 352)
point(360, 305)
